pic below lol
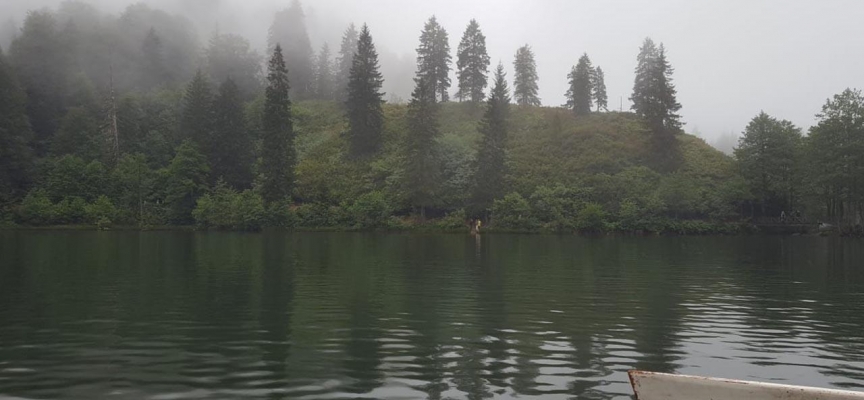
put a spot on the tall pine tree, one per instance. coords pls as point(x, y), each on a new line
point(365, 117)
point(230, 151)
point(472, 64)
point(491, 169)
point(15, 136)
point(599, 85)
point(289, 31)
point(345, 60)
point(525, 81)
point(422, 171)
point(231, 56)
point(433, 59)
point(324, 78)
point(581, 92)
point(278, 156)
point(654, 99)
point(196, 122)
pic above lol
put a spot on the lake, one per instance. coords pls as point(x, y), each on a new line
point(189, 315)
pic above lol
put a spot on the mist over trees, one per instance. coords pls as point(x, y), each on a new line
point(132, 119)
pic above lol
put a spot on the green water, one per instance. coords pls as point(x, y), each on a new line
point(183, 315)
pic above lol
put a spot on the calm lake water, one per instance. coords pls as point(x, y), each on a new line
point(183, 315)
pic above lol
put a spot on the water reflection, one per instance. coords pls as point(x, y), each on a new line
point(200, 315)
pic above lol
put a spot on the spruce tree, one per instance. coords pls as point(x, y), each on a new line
point(289, 31)
point(186, 181)
point(654, 99)
point(230, 151)
point(231, 56)
point(41, 59)
point(433, 59)
point(345, 60)
point(472, 64)
point(525, 81)
point(278, 156)
point(365, 117)
point(421, 170)
point(599, 84)
point(581, 88)
point(196, 122)
point(489, 181)
point(15, 135)
point(324, 78)
point(153, 72)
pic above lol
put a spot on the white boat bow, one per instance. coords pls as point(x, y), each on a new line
point(658, 386)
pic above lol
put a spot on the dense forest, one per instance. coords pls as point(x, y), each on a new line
point(131, 120)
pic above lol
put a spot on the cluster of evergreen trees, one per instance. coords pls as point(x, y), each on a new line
point(171, 138)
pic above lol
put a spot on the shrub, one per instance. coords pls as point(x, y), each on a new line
point(71, 210)
point(591, 218)
point(36, 209)
point(314, 215)
point(225, 208)
point(453, 221)
point(370, 210)
point(101, 212)
point(513, 212)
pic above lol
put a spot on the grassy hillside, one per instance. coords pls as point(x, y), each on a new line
point(555, 160)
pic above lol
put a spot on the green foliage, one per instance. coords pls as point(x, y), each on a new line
point(278, 156)
point(229, 56)
point(513, 212)
point(345, 60)
point(421, 169)
point(489, 181)
point(580, 95)
point(557, 207)
point(453, 221)
point(36, 209)
point(591, 218)
point(101, 212)
point(70, 211)
point(365, 116)
point(79, 135)
point(654, 99)
point(225, 208)
point(288, 31)
point(197, 121)
point(185, 181)
point(370, 210)
point(598, 82)
point(525, 80)
point(230, 151)
point(433, 59)
point(472, 64)
point(769, 158)
point(16, 156)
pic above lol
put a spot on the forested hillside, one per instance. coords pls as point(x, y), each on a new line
point(132, 120)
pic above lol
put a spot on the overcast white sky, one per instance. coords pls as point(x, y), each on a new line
point(732, 58)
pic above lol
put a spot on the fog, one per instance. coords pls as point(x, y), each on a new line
point(731, 58)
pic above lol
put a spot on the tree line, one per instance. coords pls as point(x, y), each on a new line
point(220, 141)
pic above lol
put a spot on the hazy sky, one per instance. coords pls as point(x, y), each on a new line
point(732, 58)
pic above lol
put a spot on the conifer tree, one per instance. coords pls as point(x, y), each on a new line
point(581, 89)
point(15, 135)
point(153, 66)
point(278, 156)
point(186, 181)
point(196, 122)
point(599, 85)
point(654, 99)
point(289, 31)
point(345, 60)
point(231, 56)
point(324, 78)
point(525, 81)
point(489, 181)
point(230, 151)
point(422, 172)
point(365, 117)
point(472, 64)
point(433, 59)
